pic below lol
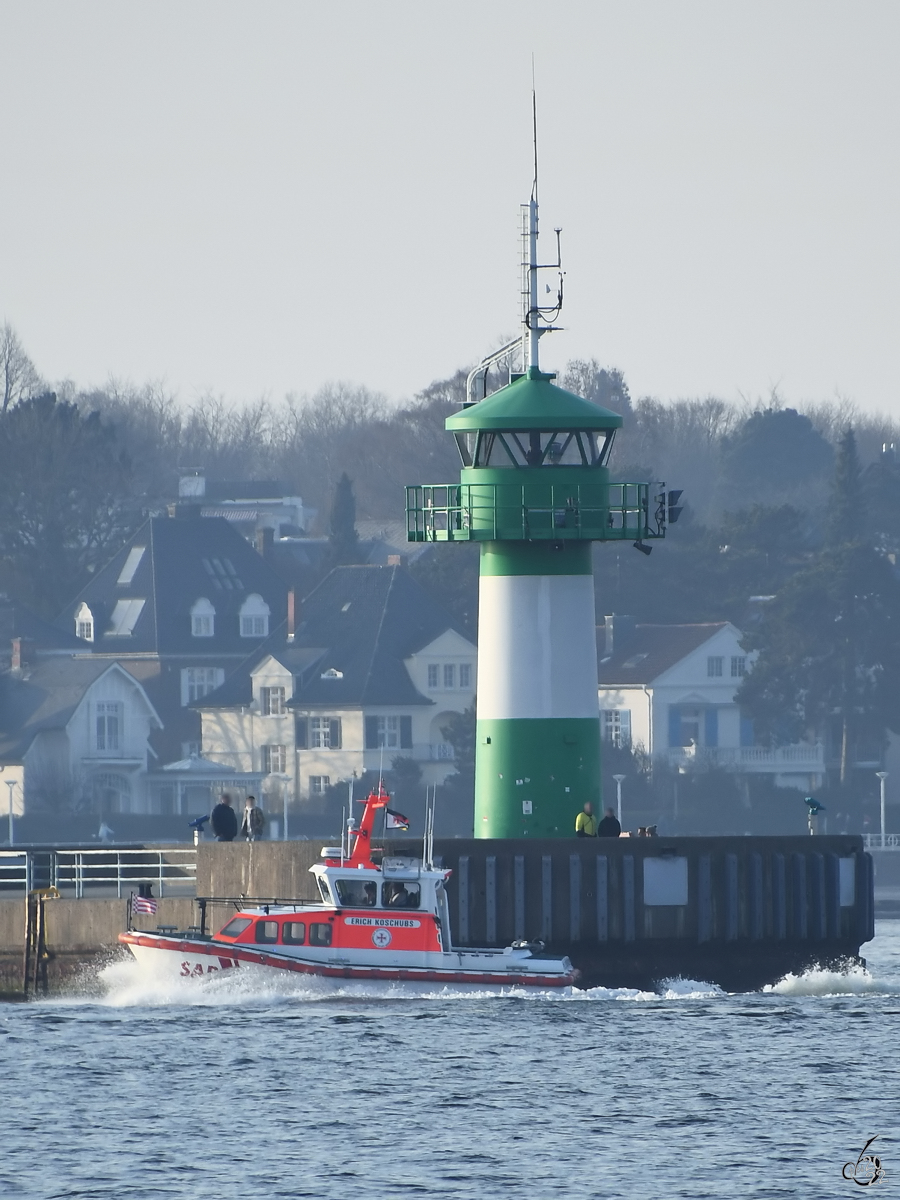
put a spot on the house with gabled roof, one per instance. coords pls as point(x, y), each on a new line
point(77, 730)
point(188, 598)
point(370, 667)
point(670, 690)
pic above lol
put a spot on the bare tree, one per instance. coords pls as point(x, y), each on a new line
point(17, 374)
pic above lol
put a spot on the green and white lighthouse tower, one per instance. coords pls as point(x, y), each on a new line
point(534, 490)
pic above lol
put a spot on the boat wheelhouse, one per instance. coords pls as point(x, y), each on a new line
point(386, 920)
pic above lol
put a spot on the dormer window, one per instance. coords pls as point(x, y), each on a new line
point(203, 619)
point(254, 617)
point(84, 623)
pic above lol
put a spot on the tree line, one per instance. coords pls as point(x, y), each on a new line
point(799, 505)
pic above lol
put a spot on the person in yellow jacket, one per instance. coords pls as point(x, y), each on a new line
point(586, 822)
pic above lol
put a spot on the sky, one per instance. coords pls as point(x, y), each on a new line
point(252, 199)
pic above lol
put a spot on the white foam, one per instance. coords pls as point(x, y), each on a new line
point(855, 981)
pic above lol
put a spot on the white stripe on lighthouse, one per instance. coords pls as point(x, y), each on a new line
point(537, 649)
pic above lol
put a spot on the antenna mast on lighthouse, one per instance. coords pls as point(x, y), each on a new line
point(536, 319)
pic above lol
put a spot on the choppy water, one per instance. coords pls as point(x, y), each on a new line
point(320, 1091)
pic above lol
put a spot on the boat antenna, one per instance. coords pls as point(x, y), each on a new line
point(537, 319)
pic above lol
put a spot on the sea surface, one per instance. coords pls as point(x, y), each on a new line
point(225, 1091)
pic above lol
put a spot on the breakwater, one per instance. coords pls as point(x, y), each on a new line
point(739, 912)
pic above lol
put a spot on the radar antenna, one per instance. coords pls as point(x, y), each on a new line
point(537, 319)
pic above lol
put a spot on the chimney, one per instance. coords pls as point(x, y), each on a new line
point(291, 614)
point(265, 540)
point(184, 511)
point(22, 651)
point(618, 631)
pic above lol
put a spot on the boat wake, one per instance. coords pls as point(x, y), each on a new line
point(855, 981)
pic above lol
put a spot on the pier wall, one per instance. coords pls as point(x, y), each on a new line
point(735, 910)
point(738, 911)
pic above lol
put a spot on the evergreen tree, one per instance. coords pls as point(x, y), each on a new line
point(847, 501)
point(343, 536)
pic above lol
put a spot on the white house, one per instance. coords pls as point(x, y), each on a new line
point(373, 670)
point(78, 727)
point(671, 690)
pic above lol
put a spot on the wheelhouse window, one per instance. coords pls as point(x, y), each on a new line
point(357, 893)
point(235, 927)
point(397, 894)
point(535, 448)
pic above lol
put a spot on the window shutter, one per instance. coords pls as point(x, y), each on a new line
point(674, 726)
point(336, 734)
point(711, 733)
point(301, 732)
point(371, 733)
point(406, 733)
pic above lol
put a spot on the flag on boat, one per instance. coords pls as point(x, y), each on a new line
point(143, 904)
point(396, 820)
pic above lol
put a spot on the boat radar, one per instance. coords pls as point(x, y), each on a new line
point(535, 492)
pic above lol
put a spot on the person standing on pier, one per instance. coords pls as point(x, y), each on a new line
point(586, 822)
point(253, 821)
point(223, 821)
point(609, 826)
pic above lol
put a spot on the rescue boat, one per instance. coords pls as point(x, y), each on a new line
point(386, 920)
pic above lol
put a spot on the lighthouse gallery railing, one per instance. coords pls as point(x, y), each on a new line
point(454, 512)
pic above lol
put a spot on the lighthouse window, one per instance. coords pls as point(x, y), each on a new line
point(533, 448)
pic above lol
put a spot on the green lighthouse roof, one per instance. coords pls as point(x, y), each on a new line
point(533, 402)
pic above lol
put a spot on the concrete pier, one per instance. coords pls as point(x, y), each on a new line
point(739, 911)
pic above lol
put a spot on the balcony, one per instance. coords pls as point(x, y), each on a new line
point(801, 759)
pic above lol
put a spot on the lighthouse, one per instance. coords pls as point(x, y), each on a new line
point(535, 492)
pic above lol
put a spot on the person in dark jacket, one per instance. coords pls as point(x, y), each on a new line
point(223, 821)
point(253, 821)
point(609, 826)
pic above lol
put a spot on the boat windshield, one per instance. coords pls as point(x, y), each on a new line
point(323, 890)
point(357, 893)
point(401, 895)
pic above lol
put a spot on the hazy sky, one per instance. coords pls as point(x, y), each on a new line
point(257, 198)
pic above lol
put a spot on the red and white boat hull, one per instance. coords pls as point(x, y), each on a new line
point(185, 958)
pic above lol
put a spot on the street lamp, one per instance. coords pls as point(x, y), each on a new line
point(285, 780)
point(618, 779)
point(11, 783)
point(882, 775)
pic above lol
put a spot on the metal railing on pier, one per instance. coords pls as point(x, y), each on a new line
point(170, 871)
point(878, 841)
